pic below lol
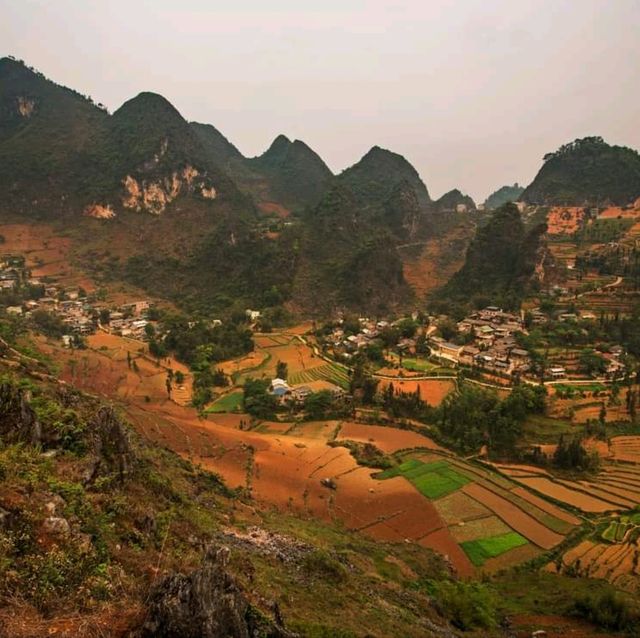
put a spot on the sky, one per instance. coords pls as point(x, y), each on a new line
point(472, 92)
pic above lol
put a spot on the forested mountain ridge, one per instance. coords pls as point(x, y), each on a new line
point(211, 219)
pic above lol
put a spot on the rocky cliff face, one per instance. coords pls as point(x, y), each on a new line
point(153, 196)
point(206, 604)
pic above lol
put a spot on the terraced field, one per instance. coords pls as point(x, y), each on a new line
point(328, 372)
point(494, 520)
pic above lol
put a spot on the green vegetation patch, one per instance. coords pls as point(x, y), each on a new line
point(418, 365)
point(483, 549)
point(433, 480)
point(226, 403)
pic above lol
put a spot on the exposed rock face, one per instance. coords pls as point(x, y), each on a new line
point(111, 446)
point(154, 196)
point(206, 604)
point(99, 211)
point(18, 421)
point(26, 107)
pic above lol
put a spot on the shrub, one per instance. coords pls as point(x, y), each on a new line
point(608, 610)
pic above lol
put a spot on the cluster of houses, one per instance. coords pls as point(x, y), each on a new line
point(296, 394)
point(11, 271)
point(490, 343)
point(347, 345)
point(80, 315)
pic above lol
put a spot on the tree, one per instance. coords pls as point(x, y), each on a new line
point(592, 363)
point(257, 400)
point(318, 404)
point(282, 370)
point(179, 377)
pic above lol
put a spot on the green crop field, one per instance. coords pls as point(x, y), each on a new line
point(433, 480)
point(483, 549)
point(227, 403)
point(328, 372)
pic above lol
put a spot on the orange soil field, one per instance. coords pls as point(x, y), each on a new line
point(433, 391)
point(615, 211)
point(442, 541)
point(252, 360)
point(560, 493)
point(518, 520)
point(545, 506)
point(564, 220)
point(626, 448)
point(387, 439)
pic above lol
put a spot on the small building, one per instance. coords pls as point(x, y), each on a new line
point(557, 372)
point(14, 310)
point(279, 387)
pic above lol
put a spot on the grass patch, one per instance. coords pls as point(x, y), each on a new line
point(542, 429)
point(433, 480)
point(226, 403)
point(418, 365)
point(483, 549)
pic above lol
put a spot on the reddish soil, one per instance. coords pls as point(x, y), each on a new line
point(564, 220)
point(273, 208)
point(442, 541)
point(555, 626)
point(514, 517)
point(547, 507)
point(561, 493)
point(433, 391)
point(387, 439)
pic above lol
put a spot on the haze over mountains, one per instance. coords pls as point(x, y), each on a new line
point(186, 214)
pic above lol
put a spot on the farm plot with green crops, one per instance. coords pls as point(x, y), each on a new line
point(481, 550)
point(433, 480)
point(226, 403)
point(328, 372)
point(617, 530)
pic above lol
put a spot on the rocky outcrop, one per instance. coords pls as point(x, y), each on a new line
point(26, 107)
point(18, 421)
point(206, 604)
point(111, 446)
point(99, 211)
point(153, 196)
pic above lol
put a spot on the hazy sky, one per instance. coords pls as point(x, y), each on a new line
point(471, 92)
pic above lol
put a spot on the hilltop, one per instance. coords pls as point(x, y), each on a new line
point(587, 171)
point(503, 195)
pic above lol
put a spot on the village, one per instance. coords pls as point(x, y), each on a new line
point(488, 342)
point(77, 313)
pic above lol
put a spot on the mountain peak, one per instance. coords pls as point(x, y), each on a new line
point(382, 166)
point(587, 171)
point(149, 103)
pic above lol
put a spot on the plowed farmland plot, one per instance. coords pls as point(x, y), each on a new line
point(387, 439)
point(433, 391)
point(558, 492)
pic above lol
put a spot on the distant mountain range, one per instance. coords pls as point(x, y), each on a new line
point(176, 208)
